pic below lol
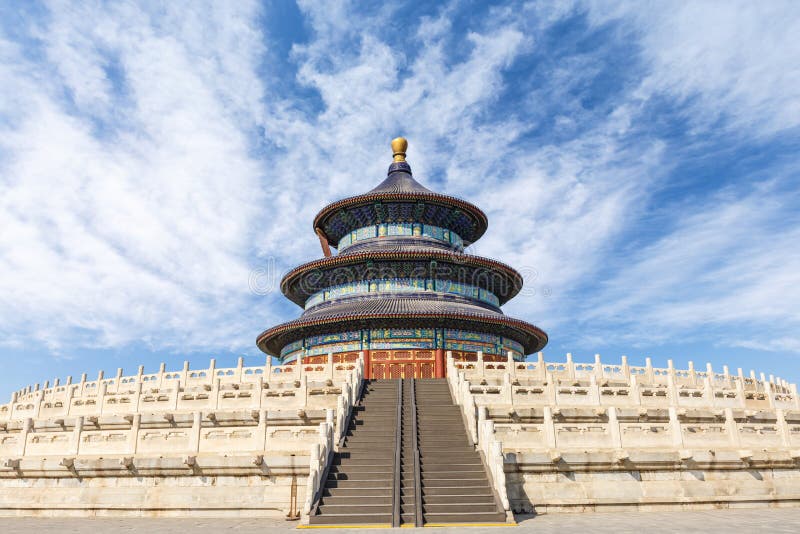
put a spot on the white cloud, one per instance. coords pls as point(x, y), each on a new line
point(734, 61)
point(728, 272)
point(127, 208)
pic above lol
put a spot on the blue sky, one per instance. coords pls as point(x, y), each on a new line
point(638, 163)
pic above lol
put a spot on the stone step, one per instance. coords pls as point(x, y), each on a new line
point(370, 432)
point(385, 491)
point(333, 518)
point(372, 483)
point(432, 443)
point(436, 459)
point(430, 473)
point(372, 454)
point(375, 464)
point(449, 490)
point(472, 517)
point(377, 480)
point(482, 498)
point(357, 499)
point(436, 482)
point(374, 435)
point(349, 470)
point(372, 442)
point(459, 508)
point(463, 450)
point(474, 464)
point(363, 447)
point(374, 423)
point(430, 423)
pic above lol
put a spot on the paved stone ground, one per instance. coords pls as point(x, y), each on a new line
point(744, 520)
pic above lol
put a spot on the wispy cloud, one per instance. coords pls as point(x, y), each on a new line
point(728, 262)
point(729, 64)
point(128, 188)
point(635, 164)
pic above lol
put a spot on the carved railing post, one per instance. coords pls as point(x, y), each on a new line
point(506, 391)
point(313, 478)
point(732, 428)
point(75, 445)
point(549, 428)
point(541, 367)
point(194, 437)
point(613, 427)
point(635, 391)
point(675, 428)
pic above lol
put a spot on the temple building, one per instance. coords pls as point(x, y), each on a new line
point(401, 289)
point(403, 397)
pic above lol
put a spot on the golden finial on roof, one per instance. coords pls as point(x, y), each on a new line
point(399, 146)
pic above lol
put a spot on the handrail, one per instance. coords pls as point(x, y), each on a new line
point(417, 471)
point(358, 398)
point(355, 396)
point(323, 479)
point(398, 431)
point(316, 481)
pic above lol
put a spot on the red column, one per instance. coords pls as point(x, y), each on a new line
point(438, 368)
point(367, 366)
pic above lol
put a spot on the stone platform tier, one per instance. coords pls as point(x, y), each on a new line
point(232, 441)
point(572, 436)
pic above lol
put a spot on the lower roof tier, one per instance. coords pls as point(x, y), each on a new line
point(403, 312)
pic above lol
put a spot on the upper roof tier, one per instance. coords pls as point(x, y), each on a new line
point(400, 199)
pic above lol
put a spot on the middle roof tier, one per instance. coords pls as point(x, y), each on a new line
point(492, 276)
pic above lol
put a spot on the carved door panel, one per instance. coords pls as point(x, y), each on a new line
point(408, 372)
point(426, 370)
point(378, 371)
point(380, 355)
point(424, 355)
point(395, 371)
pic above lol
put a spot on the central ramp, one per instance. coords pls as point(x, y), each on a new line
point(406, 460)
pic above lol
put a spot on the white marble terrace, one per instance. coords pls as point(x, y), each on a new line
point(142, 420)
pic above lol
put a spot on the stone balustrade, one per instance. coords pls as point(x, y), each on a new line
point(568, 383)
point(240, 388)
point(160, 434)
